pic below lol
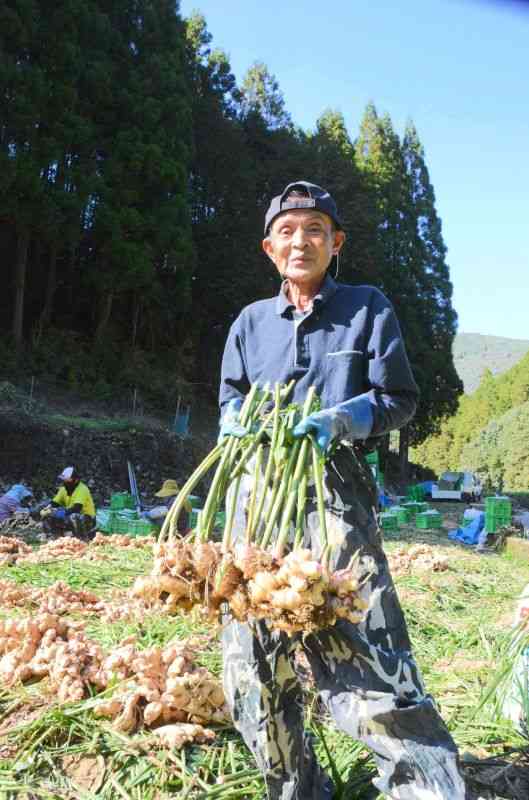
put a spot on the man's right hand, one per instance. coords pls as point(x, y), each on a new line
point(230, 424)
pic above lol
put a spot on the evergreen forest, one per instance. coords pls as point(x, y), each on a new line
point(488, 434)
point(134, 176)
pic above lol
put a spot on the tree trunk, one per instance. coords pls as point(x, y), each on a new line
point(45, 315)
point(104, 315)
point(403, 453)
point(135, 319)
point(383, 451)
point(20, 287)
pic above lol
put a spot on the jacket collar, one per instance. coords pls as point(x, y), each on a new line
point(327, 289)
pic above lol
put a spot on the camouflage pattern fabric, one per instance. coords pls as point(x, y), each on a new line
point(366, 674)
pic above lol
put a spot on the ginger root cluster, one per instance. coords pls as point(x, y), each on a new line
point(293, 593)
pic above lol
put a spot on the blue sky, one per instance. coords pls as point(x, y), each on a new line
point(459, 69)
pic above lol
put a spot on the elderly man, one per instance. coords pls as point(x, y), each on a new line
point(346, 342)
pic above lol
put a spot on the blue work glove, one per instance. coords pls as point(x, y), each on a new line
point(59, 513)
point(230, 424)
point(351, 420)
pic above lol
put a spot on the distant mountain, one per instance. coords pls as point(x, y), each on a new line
point(473, 353)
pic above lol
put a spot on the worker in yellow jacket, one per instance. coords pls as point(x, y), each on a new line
point(72, 508)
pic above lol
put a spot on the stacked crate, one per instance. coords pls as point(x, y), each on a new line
point(403, 514)
point(498, 513)
point(123, 517)
point(427, 520)
point(415, 493)
point(413, 508)
point(121, 500)
point(388, 521)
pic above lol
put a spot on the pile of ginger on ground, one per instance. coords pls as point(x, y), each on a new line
point(155, 687)
point(417, 558)
point(162, 689)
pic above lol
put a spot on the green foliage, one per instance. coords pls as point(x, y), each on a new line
point(135, 176)
point(261, 94)
point(454, 618)
point(409, 254)
point(488, 430)
point(500, 453)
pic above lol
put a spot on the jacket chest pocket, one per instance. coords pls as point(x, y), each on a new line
point(344, 374)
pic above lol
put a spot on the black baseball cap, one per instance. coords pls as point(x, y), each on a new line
point(316, 198)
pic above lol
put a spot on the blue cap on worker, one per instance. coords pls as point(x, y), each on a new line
point(313, 197)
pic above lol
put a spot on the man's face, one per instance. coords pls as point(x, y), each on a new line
point(301, 244)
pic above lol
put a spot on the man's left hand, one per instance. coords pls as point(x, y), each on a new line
point(351, 420)
point(323, 425)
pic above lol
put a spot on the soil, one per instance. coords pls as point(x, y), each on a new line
point(35, 450)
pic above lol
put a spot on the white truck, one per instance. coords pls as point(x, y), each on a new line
point(463, 486)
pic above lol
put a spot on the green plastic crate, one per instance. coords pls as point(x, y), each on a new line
point(403, 514)
point(195, 500)
point(220, 519)
point(142, 527)
point(415, 493)
point(429, 519)
point(193, 517)
point(493, 524)
point(372, 458)
point(120, 523)
point(498, 506)
point(121, 500)
point(388, 522)
point(501, 516)
point(133, 526)
point(414, 507)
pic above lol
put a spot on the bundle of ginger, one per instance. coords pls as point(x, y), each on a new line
point(293, 593)
point(258, 580)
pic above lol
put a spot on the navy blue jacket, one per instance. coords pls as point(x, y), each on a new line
point(349, 346)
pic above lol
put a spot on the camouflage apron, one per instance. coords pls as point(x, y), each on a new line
point(365, 674)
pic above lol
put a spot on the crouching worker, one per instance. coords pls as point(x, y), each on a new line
point(72, 509)
point(13, 501)
point(168, 493)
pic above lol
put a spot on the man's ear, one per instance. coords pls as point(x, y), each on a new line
point(268, 248)
point(339, 240)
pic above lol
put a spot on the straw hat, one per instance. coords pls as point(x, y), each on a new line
point(169, 489)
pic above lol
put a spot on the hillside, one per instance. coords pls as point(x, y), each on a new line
point(489, 432)
point(473, 353)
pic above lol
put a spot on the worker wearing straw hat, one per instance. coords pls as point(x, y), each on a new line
point(346, 342)
point(168, 492)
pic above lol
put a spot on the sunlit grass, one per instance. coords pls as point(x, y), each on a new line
point(459, 623)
